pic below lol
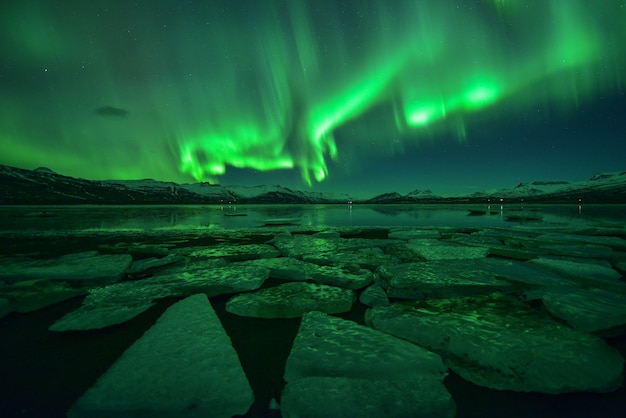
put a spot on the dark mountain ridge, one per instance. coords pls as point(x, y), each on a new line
point(43, 186)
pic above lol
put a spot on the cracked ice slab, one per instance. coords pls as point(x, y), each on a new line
point(438, 279)
point(291, 300)
point(323, 397)
point(234, 252)
point(293, 269)
point(431, 251)
point(31, 295)
point(329, 346)
point(120, 302)
point(143, 266)
point(500, 343)
point(368, 258)
point(597, 274)
point(411, 234)
point(284, 268)
point(616, 243)
point(374, 295)
point(84, 268)
point(183, 366)
point(588, 310)
point(301, 246)
point(339, 368)
point(336, 276)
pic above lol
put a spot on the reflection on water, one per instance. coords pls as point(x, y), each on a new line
point(80, 218)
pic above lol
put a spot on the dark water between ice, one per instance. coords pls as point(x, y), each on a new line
point(102, 218)
point(42, 372)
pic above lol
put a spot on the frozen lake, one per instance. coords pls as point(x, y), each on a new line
point(49, 370)
point(52, 219)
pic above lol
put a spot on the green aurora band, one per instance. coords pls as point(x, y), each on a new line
point(266, 85)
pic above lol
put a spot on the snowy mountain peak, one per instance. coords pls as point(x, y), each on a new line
point(44, 170)
point(550, 183)
point(618, 176)
point(43, 186)
point(603, 187)
point(541, 184)
point(421, 193)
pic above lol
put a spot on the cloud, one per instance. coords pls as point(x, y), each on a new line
point(110, 111)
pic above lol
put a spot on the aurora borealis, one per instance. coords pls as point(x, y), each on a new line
point(452, 95)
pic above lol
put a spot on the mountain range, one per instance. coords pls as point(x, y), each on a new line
point(44, 186)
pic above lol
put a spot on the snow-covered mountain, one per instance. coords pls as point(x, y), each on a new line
point(421, 194)
point(416, 196)
point(44, 186)
point(604, 187)
point(536, 188)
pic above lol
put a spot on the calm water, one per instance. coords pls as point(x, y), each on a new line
point(79, 218)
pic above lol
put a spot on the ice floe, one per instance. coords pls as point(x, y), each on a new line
point(501, 343)
point(183, 366)
point(291, 300)
point(597, 273)
point(579, 250)
point(302, 245)
point(323, 397)
point(436, 279)
point(374, 295)
point(506, 308)
point(339, 368)
point(369, 258)
point(613, 242)
point(329, 346)
point(233, 252)
point(81, 268)
point(120, 302)
point(355, 278)
point(292, 269)
point(285, 268)
point(430, 250)
point(410, 234)
point(588, 310)
point(141, 267)
point(516, 272)
point(31, 295)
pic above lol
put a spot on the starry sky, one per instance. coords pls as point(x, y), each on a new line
point(357, 96)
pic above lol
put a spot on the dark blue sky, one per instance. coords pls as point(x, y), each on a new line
point(364, 97)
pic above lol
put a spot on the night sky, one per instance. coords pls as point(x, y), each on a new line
point(360, 96)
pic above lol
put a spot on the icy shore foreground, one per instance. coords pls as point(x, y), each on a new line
point(523, 309)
